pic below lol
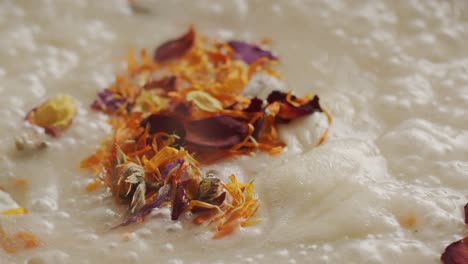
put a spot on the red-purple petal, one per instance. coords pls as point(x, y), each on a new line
point(167, 123)
point(456, 253)
point(180, 201)
point(175, 48)
point(216, 132)
point(289, 112)
point(107, 101)
point(249, 52)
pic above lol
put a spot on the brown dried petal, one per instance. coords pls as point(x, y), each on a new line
point(456, 253)
point(277, 96)
point(216, 201)
point(168, 83)
point(289, 112)
point(255, 105)
point(216, 132)
point(166, 123)
point(175, 48)
point(249, 52)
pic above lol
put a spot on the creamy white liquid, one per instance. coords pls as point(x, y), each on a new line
point(394, 75)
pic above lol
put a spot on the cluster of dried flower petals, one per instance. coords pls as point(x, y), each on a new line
point(182, 108)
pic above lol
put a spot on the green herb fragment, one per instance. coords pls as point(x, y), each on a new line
point(29, 143)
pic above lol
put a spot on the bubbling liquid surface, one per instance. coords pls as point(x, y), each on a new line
point(388, 186)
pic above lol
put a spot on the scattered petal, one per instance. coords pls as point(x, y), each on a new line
point(8, 206)
point(54, 115)
point(249, 53)
point(175, 48)
point(19, 241)
point(456, 253)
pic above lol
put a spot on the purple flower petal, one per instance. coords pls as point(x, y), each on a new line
point(248, 52)
point(147, 208)
point(216, 132)
point(175, 48)
point(180, 201)
point(289, 112)
point(456, 253)
point(108, 101)
point(167, 168)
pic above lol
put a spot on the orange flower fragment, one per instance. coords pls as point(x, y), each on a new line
point(19, 241)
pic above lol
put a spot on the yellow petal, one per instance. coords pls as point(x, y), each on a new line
point(8, 206)
point(56, 112)
point(204, 101)
point(164, 155)
point(14, 211)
